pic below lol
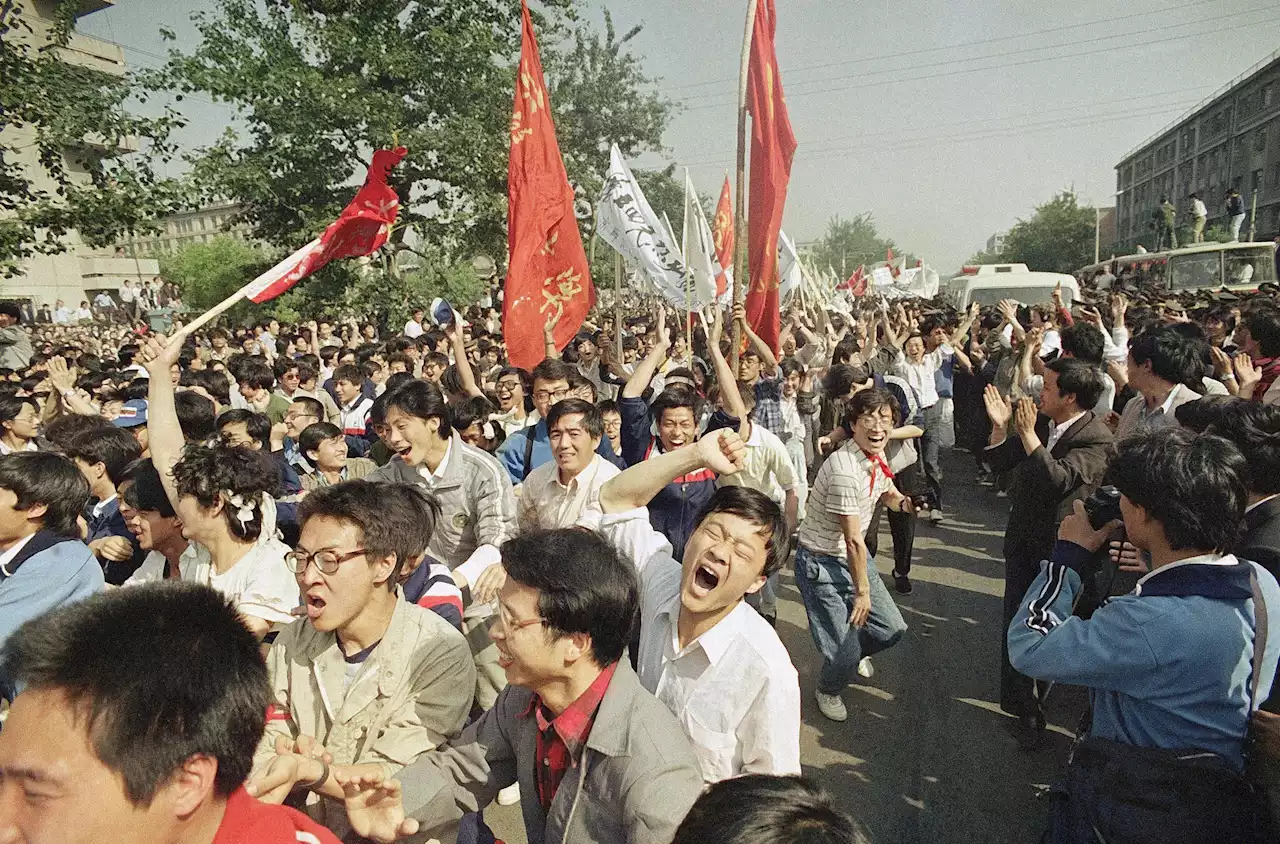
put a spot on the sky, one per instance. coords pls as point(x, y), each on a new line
point(947, 120)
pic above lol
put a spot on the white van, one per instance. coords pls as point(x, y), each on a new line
point(988, 284)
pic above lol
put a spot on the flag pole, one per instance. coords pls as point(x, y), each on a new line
point(617, 305)
point(269, 277)
point(688, 276)
point(740, 177)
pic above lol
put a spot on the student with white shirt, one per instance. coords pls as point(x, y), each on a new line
point(703, 652)
point(1200, 213)
point(556, 494)
point(19, 424)
point(1162, 361)
point(413, 328)
point(224, 496)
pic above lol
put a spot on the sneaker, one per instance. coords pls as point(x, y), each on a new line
point(1001, 494)
point(510, 795)
point(832, 707)
point(935, 516)
point(985, 479)
point(902, 584)
point(865, 668)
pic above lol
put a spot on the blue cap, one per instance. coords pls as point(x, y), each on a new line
point(133, 414)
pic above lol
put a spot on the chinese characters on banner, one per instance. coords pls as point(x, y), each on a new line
point(547, 273)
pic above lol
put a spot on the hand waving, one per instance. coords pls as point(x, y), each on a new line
point(999, 409)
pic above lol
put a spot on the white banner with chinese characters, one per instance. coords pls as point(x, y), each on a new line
point(626, 221)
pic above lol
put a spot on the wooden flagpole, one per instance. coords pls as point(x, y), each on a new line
point(617, 304)
point(688, 275)
point(740, 178)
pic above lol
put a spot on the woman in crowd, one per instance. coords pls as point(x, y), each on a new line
point(19, 424)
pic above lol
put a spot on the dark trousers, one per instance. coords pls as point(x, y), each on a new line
point(1018, 694)
point(902, 526)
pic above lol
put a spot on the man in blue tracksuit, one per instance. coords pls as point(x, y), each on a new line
point(1169, 665)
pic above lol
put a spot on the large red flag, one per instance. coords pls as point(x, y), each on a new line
point(773, 146)
point(723, 234)
point(360, 229)
point(547, 271)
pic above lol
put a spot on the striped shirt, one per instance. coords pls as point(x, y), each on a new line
point(845, 486)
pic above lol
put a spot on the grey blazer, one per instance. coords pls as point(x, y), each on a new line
point(635, 782)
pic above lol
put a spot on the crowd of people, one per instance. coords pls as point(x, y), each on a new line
point(384, 577)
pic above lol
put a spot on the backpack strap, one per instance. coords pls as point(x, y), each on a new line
point(528, 451)
point(1259, 639)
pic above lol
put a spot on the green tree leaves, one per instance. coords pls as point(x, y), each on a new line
point(1058, 238)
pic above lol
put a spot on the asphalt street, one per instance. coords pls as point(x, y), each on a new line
point(926, 756)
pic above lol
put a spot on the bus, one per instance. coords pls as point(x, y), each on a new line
point(1206, 266)
point(988, 284)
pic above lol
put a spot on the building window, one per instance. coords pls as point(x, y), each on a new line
point(1260, 140)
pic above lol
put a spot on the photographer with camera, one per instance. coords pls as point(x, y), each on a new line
point(1055, 458)
point(1174, 669)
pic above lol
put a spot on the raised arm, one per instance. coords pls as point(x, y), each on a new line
point(768, 363)
point(724, 373)
point(164, 434)
point(639, 380)
point(548, 336)
point(721, 451)
point(465, 373)
point(956, 341)
point(64, 381)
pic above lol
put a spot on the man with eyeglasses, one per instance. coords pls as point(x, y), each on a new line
point(511, 414)
point(530, 447)
point(302, 412)
point(367, 682)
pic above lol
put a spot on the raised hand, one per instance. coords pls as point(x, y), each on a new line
point(158, 354)
point(999, 410)
point(722, 451)
point(1025, 417)
point(60, 375)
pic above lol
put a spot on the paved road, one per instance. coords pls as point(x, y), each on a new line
point(926, 756)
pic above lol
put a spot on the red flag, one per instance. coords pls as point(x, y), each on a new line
point(723, 235)
point(888, 262)
point(773, 146)
point(919, 263)
point(856, 283)
point(547, 272)
point(360, 229)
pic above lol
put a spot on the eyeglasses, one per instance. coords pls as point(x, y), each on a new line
point(544, 395)
point(508, 385)
point(327, 562)
point(510, 626)
point(290, 416)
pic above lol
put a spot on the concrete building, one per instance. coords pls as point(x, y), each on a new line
point(81, 272)
point(996, 242)
point(1231, 139)
point(187, 227)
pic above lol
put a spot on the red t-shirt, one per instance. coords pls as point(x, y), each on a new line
point(249, 821)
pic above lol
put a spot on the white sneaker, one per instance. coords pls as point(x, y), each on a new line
point(865, 668)
point(935, 516)
point(832, 707)
point(510, 795)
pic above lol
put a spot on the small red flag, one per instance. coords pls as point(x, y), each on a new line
point(773, 146)
point(723, 234)
point(361, 229)
point(888, 260)
point(547, 272)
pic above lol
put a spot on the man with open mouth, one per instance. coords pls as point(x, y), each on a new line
point(851, 614)
point(713, 660)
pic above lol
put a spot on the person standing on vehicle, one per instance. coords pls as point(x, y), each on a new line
point(1200, 213)
point(1235, 209)
point(1167, 236)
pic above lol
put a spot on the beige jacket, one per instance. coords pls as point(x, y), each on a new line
point(412, 694)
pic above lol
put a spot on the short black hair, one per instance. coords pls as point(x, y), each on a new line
point(68, 427)
point(257, 374)
point(1192, 484)
point(676, 396)
point(313, 435)
point(767, 809)
point(1083, 341)
point(11, 309)
point(195, 416)
point(608, 406)
point(1079, 378)
point(42, 477)
point(871, 401)
point(1264, 327)
point(256, 425)
point(206, 472)
point(1173, 356)
point(350, 373)
point(115, 448)
point(583, 586)
point(11, 407)
point(161, 673)
point(841, 378)
point(844, 350)
point(591, 418)
point(550, 369)
point(423, 400)
point(393, 518)
point(142, 488)
point(759, 509)
point(1255, 429)
point(467, 412)
point(313, 406)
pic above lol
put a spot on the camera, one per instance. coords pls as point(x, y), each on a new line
point(1103, 507)
point(927, 500)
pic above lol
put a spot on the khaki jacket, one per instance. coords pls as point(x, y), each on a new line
point(412, 694)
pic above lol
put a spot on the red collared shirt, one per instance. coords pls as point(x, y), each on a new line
point(562, 738)
point(249, 821)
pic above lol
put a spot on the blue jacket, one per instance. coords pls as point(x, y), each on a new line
point(49, 572)
point(1168, 665)
point(110, 522)
point(511, 452)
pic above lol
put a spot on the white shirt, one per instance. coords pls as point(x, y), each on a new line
point(1198, 209)
point(510, 424)
point(260, 584)
point(844, 487)
point(1056, 431)
point(84, 313)
point(5, 448)
point(126, 294)
point(62, 315)
point(151, 571)
point(412, 329)
point(7, 557)
point(766, 466)
point(546, 503)
point(1257, 504)
point(919, 376)
point(431, 478)
point(102, 505)
point(734, 689)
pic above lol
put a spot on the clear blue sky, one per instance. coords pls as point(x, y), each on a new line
point(947, 119)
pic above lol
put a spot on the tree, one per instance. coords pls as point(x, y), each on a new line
point(319, 84)
point(847, 244)
point(1058, 238)
point(207, 273)
point(75, 119)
